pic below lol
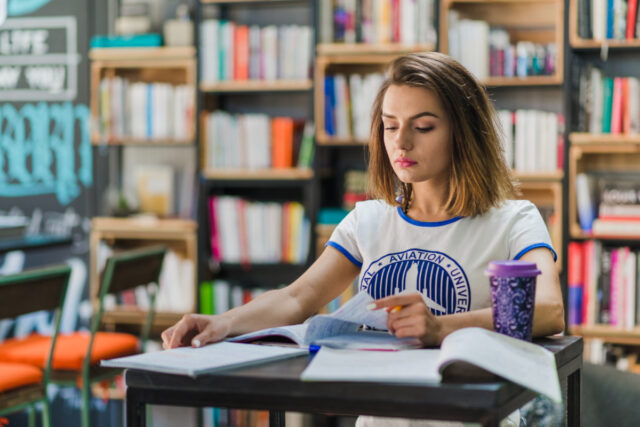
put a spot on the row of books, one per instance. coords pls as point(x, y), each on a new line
point(347, 104)
point(608, 19)
point(256, 141)
point(377, 21)
point(226, 417)
point(608, 104)
point(488, 51)
point(609, 203)
point(219, 296)
point(248, 232)
point(231, 51)
point(145, 110)
point(533, 140)
point(603, 285)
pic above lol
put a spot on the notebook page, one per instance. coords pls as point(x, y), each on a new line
point(210, 358)
point(521, 362)
point(406, 366)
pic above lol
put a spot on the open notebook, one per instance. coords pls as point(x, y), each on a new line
point(340, 329)
point(521, 362)
point(210, 358)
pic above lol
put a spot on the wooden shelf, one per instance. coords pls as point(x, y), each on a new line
point(555, 176)
point(142, 53)
point(97, 140)
point(324, 139)
point(584, 138)
point(137, 317)
point(257, 86)
point(258, 174)
point(329, 49)
point(607, 333)
point(143, 226)
point(579, 43)
point(538, 21)
point(551, 80)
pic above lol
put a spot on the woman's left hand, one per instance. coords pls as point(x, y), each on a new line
point(409, 316)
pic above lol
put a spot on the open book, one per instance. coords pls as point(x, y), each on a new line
point(521, 362)
point(340, 329)
point(210, 358)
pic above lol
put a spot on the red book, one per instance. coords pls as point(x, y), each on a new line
point(246, 296)
point(215, 238)
point(286, 235)
point(616, 106)
point(632, 10)
point(626, 118)
point(241, 208)
point(575, 276)
point(395, 21)
point(241, 52)
point(281, 142)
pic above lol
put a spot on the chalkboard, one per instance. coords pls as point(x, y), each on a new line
point(46, 165)
point(46, 162)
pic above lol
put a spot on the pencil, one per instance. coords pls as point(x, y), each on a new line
point(395, 309)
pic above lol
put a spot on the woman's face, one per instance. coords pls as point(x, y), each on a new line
point(417, 134)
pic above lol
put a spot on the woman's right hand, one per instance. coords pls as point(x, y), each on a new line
point(196, 330)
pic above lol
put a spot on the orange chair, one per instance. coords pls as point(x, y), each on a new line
point(77, 355)
point(21, 384)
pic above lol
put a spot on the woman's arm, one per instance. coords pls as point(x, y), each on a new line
point(327, 277)
point(416, 320)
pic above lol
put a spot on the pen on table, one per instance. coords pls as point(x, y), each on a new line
point(313, 349)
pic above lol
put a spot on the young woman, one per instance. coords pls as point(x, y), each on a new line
point(442, 213)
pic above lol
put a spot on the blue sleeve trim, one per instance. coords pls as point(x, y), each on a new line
point(534, 246)
point(345, 253)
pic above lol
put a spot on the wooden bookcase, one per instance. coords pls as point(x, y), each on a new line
point(174, 65)
point(598, 153)
point(540, 21)
point(128, 233)
point(270, 97)
point(577, 42)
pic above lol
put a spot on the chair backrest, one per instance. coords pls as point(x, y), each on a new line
point(33, 290)
point(130, 269)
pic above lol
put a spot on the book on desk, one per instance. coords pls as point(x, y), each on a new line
point(341, 356)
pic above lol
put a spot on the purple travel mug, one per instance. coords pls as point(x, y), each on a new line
point(513, 292)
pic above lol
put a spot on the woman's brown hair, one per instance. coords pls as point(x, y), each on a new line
point(480, 178)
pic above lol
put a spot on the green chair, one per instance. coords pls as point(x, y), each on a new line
point(22, 384)
point(76, 360)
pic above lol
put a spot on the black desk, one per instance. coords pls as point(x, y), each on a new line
point(276, 386)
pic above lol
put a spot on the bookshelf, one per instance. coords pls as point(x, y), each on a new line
point(609, 154)
point(169, 65)
point(537, 21)
point(169, 123)
point(250, 181)
point(127, 233)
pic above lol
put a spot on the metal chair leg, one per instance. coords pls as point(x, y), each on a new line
point(86, 404)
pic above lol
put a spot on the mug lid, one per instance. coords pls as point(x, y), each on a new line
point(512, 268)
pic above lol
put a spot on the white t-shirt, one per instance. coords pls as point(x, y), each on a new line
point(445, 261)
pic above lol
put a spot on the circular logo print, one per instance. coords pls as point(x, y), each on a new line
point(440, 279)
